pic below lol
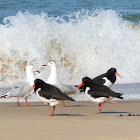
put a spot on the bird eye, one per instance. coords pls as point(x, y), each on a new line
point(84, 80)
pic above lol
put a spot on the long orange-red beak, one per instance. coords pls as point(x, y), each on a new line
point(118, 75)
point(79, 86)
point(45, 65)
point(32, 87)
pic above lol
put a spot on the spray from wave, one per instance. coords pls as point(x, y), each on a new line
point(85, 43)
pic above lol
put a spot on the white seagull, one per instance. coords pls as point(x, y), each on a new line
point(21, 89)
point(53, 80)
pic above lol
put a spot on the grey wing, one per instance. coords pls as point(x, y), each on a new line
point(19, 89)
point(67, 89)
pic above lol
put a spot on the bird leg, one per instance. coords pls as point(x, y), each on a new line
point(18, 102)
point(112, 102)
point(27, 102)
point(53, 111)
point(63, 104)
point(49, 109)
point(100, 106)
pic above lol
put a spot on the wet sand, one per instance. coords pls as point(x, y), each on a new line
point(76, 121)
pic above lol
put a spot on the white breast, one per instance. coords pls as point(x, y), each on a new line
point(96, 100)
point(107, 82)
point(51, 102)
point(53, 80)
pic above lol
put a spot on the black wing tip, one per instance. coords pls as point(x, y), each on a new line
point(72, 99)
point(3, 95)
point(121, 97)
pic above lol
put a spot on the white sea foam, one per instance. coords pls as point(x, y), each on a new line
point(88, 44)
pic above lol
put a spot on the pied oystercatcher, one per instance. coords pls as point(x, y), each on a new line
point(107, 79)
point(98, 93)
point(49, 94)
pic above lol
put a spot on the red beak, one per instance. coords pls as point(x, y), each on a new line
point(118, 75)
point(38, 71)
point(32, 87)
point(45, 65)
point(79, 86)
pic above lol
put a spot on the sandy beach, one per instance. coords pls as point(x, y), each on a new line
point(76, 121)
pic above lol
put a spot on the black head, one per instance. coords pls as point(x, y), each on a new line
point(38, 83)
point(87, 81)
point(112, 70)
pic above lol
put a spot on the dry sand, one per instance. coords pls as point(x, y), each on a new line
point(77, 121)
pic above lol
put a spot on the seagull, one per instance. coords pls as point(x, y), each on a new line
point(49, 94)
point(106, 79)
point(98, 93)
point(53, 80)
point(20, 89)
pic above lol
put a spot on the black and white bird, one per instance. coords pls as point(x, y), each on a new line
point(49, 94)
point(54, 80)
point(106, 79)
point(98, 93)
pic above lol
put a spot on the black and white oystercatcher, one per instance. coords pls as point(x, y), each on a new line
point(106, 79)
point(98, 93)
point(49, 94)
point(54, 80)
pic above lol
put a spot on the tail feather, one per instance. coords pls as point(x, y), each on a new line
point(5, 95)
point(66, 98)
point(119, 95)
point(71, 99)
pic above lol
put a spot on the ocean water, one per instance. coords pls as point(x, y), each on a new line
point(84, 38)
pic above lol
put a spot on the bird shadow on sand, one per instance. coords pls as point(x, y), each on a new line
point(113, 112)
point(24, 106)
point(39, 105)
point(73, 106)
point(73, 115)
point(18, 106)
